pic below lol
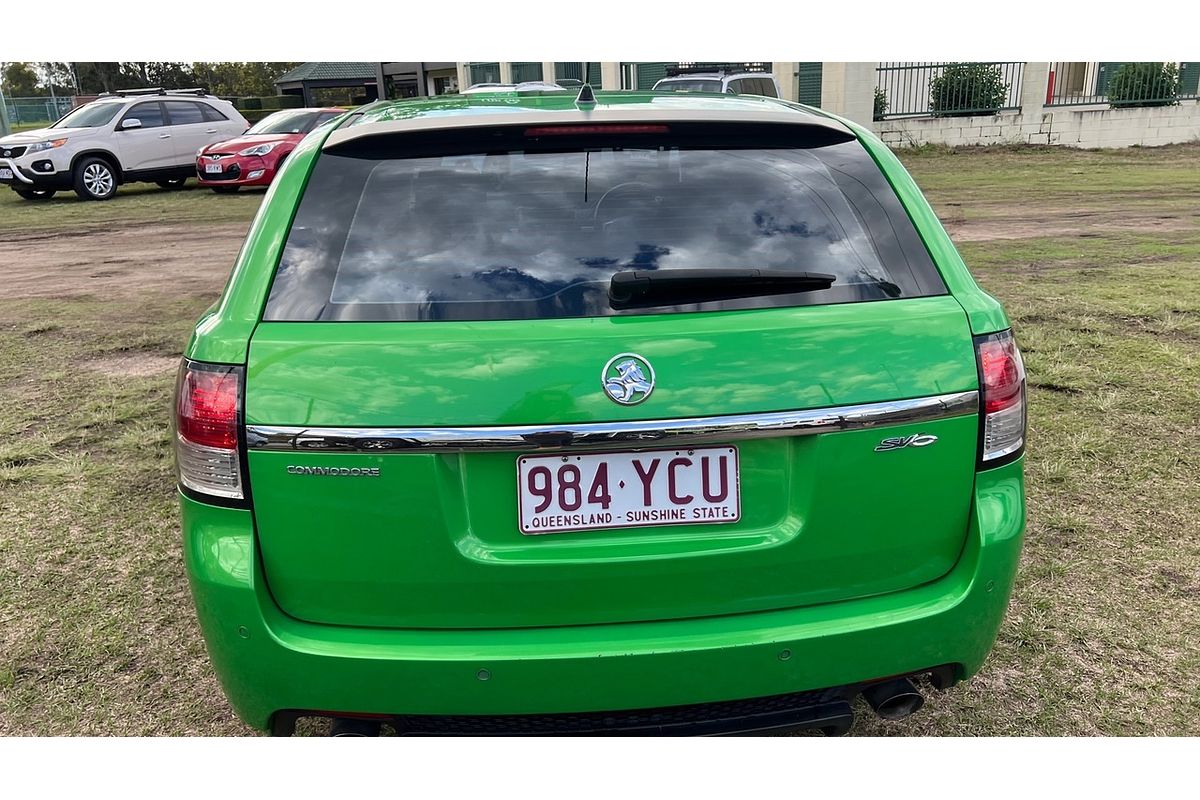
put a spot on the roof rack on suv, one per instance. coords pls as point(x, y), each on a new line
point(198, 91)
point(693, 68)
point(524, 87)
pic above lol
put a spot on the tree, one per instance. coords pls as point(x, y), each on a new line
point(260, 76)
point(1144, 83)
point(20, 80)
point(229, 78)
point(57, 76)
point(218, 77)
point(241, 78)
point(170, 74)
point(98, 76)
point(136, 74)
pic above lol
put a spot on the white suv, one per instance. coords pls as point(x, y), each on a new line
point(134, 135)
point(693, 79)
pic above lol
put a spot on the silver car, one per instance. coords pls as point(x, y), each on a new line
point(721, 82)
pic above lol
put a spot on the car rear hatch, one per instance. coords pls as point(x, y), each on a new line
point(451, 426)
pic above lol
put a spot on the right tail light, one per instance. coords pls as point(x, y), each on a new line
point(1002, 402)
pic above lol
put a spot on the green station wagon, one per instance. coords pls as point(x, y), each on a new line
point(618, 413)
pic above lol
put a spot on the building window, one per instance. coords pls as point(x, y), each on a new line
point(526, 71)
point(485, 72)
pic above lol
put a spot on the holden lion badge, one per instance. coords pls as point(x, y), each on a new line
point(628, 379)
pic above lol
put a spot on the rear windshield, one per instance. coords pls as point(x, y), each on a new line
point(532, 224)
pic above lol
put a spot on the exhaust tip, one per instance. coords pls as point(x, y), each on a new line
point(894, 699)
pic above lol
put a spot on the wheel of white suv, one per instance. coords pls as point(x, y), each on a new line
point(172, 183)
point(36, 194)
point(95, 179)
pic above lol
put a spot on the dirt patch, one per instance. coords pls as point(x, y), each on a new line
point(1031, 223)
point(196, 259)
point(181, 259)
point(133, 365)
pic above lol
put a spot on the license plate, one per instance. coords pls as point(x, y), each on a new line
point(627, 490)
point(209, 168)
point(5, 174)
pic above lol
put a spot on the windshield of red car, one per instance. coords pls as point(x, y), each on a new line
point(292, 122)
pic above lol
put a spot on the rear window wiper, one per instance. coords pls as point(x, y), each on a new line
point(644, 288)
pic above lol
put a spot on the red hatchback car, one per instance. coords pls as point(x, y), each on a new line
point(253, 158)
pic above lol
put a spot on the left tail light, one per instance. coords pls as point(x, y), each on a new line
point(208, 401)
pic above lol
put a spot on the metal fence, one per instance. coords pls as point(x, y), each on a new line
point(586, 71)
point(26, 111)
point(1122, 84)
point(946, 89)
point(526, 71)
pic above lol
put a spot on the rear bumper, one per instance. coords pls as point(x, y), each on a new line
point(827, 710)
point(270, 663)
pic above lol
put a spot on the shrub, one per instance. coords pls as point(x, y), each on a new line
point(881, 104)
point(1144, 83)
point(966, 88)
point(269, 103)
point(256, 116)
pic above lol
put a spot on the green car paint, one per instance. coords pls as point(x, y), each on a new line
point(399, 593)
point(269, 661)
point(794, 546)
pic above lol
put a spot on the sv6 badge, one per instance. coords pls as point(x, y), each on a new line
point(898, 442)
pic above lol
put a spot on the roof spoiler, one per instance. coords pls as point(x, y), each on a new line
point(359, 129)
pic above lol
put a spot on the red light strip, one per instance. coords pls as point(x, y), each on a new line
point(584, 130)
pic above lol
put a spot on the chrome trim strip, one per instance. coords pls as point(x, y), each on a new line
point(609, 435)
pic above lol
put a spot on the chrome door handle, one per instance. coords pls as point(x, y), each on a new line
point(164, 136)
point(211, 130)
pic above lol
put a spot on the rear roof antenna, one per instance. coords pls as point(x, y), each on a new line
point(586, 96)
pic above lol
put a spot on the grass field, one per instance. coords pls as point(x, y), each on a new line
point(135, 204)
point(1096, 256)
